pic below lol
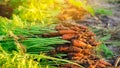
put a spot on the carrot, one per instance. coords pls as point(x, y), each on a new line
point(89, 46)
point(76, 54)
point(87, 51)
point(76, 58)
point(74, 49)
point(75, 28)
point(95, 43)
point(62, 48)
point(68, 36)
point(90, 33)
point(68, 49)
point(83, 27)
point(78, 43)
point(105, 63)
point(61, 27)
point(51, 34)
point(101, 65)
point(92, 66)
point(66, 32)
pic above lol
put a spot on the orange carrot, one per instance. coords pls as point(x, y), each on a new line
point(92, 66)
point(62, 49)
point(89, 46)
point(87, 51)
point(96, 43)
point(68, 36)
point(76, 54)
point(76, 58)
point(105, 63)
point(101, 65)
point(66, 32)
point(78, 43)
point(61, 27)
point(75, 28)
point(74, 49)
point(51, 34)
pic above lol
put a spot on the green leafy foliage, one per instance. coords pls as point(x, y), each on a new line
point(7, 25)
point(16, 60)
point(28, 31)
point(103, 11)
point(43, 44)
point(10, 56)
point(103, 49)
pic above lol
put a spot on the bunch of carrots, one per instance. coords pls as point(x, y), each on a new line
point(82, 40)
point(80, 48)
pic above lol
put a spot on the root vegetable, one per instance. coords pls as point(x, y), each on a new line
point(76, 54)
point(68, 36)
point(68, 49)
point(75, 28)
point(74, 49)
point(83, 41)
point(66, 32)
point(92, 66)
point(78, 43)
point(76, 58)
point(105, 63)
point(101, 65)
point(61, 27)
point(89, 46)
point(87, 51)
point(51, 34)
point(62, 49)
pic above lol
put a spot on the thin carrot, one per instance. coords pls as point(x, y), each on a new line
point(105, 63)
point(76, 58)
point(89, 46)
point(68, 36)
point(78, 43)
point(62, 49)
point(61, 27)
point(101, 65)
point(74, 49)
point(92, 66)
point(66, 32)
point(76, 54)
point(51, 34)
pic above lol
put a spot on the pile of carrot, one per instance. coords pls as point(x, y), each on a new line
point(82, 40)
point(81, 46)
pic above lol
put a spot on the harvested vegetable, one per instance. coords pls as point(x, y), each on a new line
point(80, 49)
